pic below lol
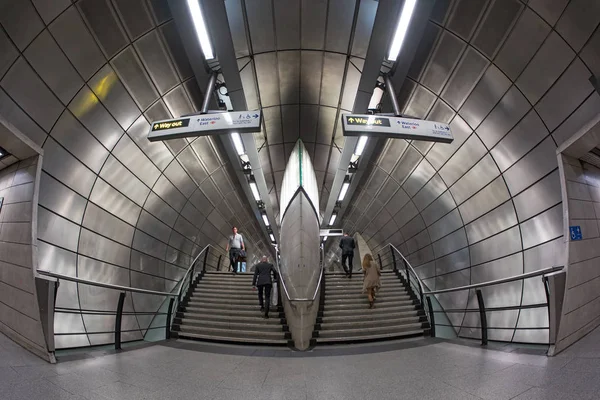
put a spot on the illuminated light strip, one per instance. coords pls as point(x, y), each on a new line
point(201, 30)
point(405, 16)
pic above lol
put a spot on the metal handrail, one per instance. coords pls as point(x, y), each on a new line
point(190, 268)
point(287, 294)
point(499, 281)
point(410, 267)
point(103, 285)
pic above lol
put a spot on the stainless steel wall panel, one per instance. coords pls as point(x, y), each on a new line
point(57, 230)
point(387, 191)
point(177, 175)
point(114, 202)
point(503, 117)
point(201, 202)
point(178, 102)
point(468, 155)
point(155, 151)
point(499, 269)
point(408, 212)
point(313, 24)
point(566, 95)
point(59, 199)
point(8, 53)
point(497, 246)
point(410, 159)
point(310, 76)
point(104, 223)
point(522, 138)
point(97, 271)
point(418, 241)
point(179, 242)
point(53, 67)
point(325, 126)
point(272, 125)
point(103, 22)
point(495, 221)
point(160, 209)
point(578, 21)
point(398, 200)
point(420, 257)
point(468, 71)
point(87, 108)
point(531, 336)
point(339, 25)
point(491, 196)
point(549, 10)
point(429, 192)
point(413, 227)
point(443, 59)
point(169, 193)
point(146, 264)
point(289, 76)
point(128, 67)
point(441, 206)
point(207, 154)
point(95, 246)
point(418, 178)
point(21, 22)
point(524, 40)
point(188, 230)
point(532, 167)
point(496, 25)
point(266, 72)
point(589, 54)
point(441, 152)
point(450, 243)
point(153, 226)
point(124, 181)
point(210, 191)
point(135, 15)
point(158, 111)
point(533, 318)
point(445, 225)
point(475, 179)
point(107, 87)
point(73, 136)
point(420, 102)
point(192, 165)
point(488, 91)
point(30, 92)
point(260, 21)
point(581, 210)
point(542, 228)
point(456, 261)
point(464, 17)
point(176, 49)
point(76, 41)
point(430, 36)
point(545, 67)
point(64, 167)
point(69, 323)
point(148, 245)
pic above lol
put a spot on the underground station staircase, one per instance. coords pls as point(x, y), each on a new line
point(222, 307)
point(345, 316)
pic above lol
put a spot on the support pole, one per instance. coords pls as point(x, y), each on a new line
point(431, 317)
point(118, 320)
point(482, 317)
point(168, 324)
point(389, 88)
point(210, 88)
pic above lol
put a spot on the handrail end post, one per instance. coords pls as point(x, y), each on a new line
point(482, 317)
point(118, 320)
point(431, 317)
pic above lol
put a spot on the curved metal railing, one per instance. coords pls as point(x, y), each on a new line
point(174, 297)
point(284, 286)
point(417, 286)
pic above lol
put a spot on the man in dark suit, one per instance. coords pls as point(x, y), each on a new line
point(347, 245)
point(264, 282)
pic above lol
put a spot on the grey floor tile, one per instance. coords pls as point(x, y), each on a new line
point(546, 394)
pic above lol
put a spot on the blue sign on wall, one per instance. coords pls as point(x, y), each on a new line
point(575, 232)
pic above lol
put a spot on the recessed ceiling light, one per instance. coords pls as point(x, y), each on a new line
point(201, 31)
point(407, 11)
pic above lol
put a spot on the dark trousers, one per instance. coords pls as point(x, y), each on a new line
point(233, 258)
point(350, 258)
point(267, 291)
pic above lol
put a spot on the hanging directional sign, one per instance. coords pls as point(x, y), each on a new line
point(206, 124)
point(396, 127)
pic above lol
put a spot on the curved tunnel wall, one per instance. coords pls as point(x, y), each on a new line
point(83, 81)
point(512, 80)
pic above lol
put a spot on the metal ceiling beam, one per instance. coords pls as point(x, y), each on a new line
point(383, 30)
point(215, 15)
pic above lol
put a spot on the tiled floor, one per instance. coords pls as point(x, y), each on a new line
point(426, 369)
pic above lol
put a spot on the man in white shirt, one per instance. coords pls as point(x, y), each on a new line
point(235, 245)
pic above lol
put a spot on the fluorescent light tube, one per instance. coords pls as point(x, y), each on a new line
point(201, 30)
point(266, 219)
point(407, 11)
point(272, 237)
point(237, 142)
point(344, 190)
point(332, 219)
point(360, 146)
point(254, 189)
